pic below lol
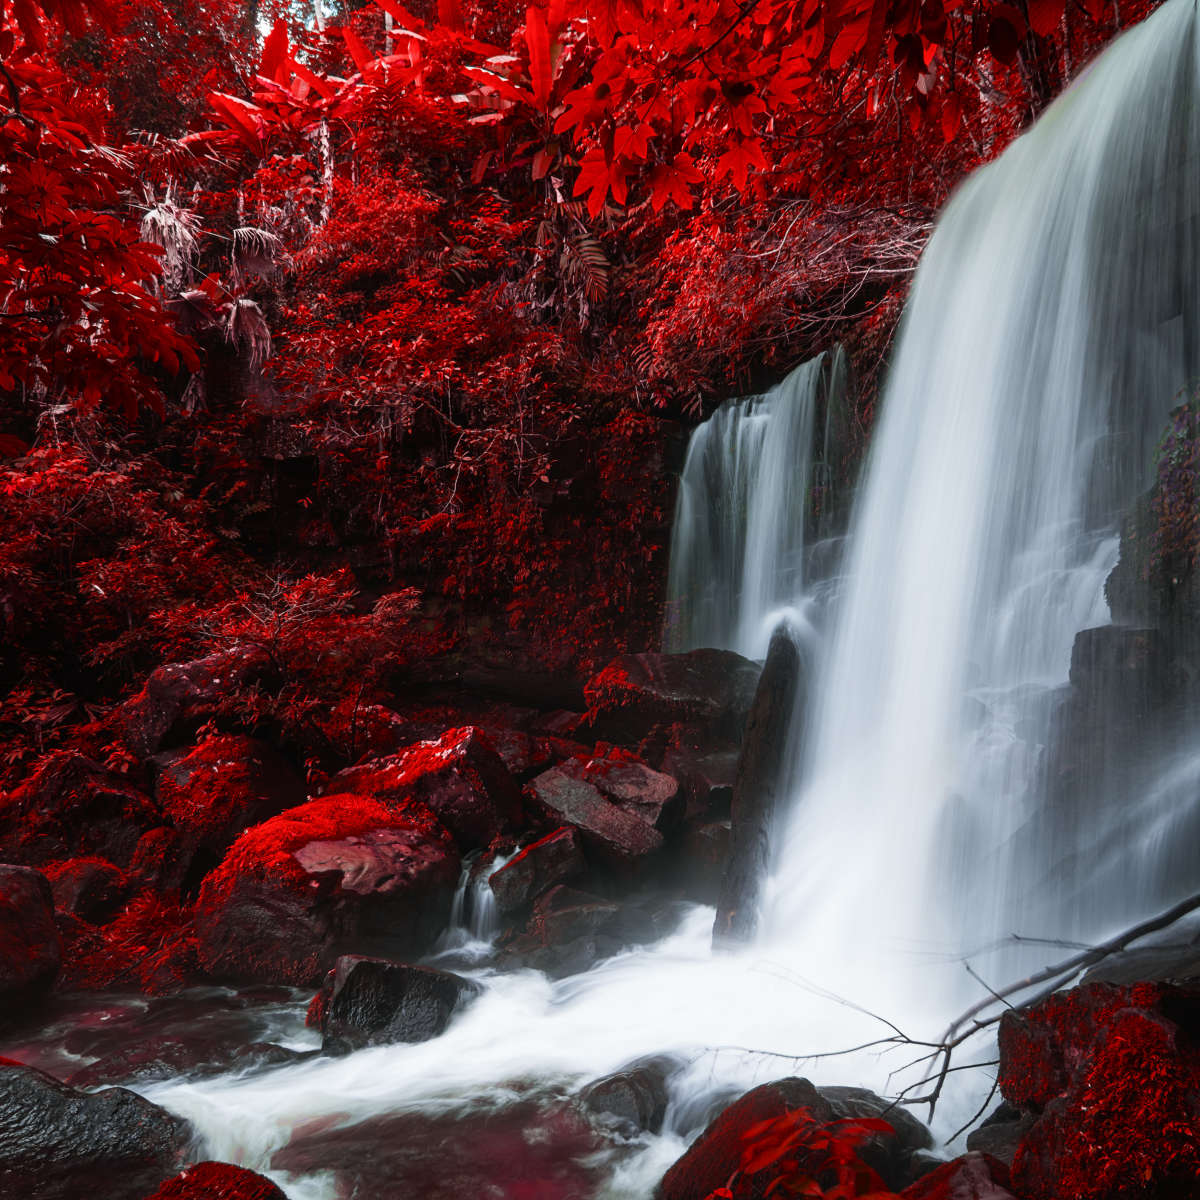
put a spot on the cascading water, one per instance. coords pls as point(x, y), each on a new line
point(744, 508)
point(1051, 323)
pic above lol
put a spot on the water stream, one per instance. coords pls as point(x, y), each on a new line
point(1051, 323)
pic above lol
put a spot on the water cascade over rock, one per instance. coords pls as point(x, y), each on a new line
point(745, 509)
point(1051, 324)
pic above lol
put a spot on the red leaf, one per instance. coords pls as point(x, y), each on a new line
point(450, 15)
point(274, 62)
point(1044, 16)
point(358, 52)
point(537, 38)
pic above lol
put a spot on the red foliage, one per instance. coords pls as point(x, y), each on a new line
point(217, 1181)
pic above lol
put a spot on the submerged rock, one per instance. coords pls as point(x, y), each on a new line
point(30, 950)
point(631, 1101)
point(60, 1144)
point(374, 1002)
point(339, 875)
point(166, 1058)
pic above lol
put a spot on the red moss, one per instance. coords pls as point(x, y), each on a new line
point(217, 1181)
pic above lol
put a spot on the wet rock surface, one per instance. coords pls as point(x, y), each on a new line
point(556, 858)
point(30, 949)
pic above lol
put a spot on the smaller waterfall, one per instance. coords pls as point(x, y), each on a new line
point(755, 480)
point(474, 916)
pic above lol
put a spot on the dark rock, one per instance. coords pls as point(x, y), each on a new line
point(630, 784)
point(218, 1181)
point(633, 1100)
point(167, 1058)
point(888, 1154)
point(703, 858)
point(339, 875)
point(374, 1002)
point(216, 789)
point(756, 790)
point(635, 693)
point(179, 696)
point(460, 778)
point(616, 835)
point(60, 1144)
point(1001, 1134)
point(30, 950)
point(1152, 964)
point(92, 889)
point(160, 860)
point(73, 807)
point(556, 858)
point(706, 778)
point(972, 1177)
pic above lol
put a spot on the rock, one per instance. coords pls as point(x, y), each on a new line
point(73, 807)
point(460, 777)
point(760, 778)
point(30, 950)
point(160, 860)
point(182, 695)
point(715, 1155)
point(630, 784)
point(218, 1181)
point(972, 1177)
point(216, 789)
point(60, 1144)
point(1112, 1076)
point(168, 1058)
point(375, 1002)
point(556, 858)
point(1001, 1133)
point(339, 875)
point(92, 889)
point(632, 1101)
point(616, 835)
point(706, 778)
point(703, 858)
point(635, 693)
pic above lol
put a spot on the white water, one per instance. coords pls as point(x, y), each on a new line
point(1050, 325)
point(738, 541)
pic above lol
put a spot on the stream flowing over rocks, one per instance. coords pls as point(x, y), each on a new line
point(596, 939)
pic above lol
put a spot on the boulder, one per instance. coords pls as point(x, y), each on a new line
point(178, 697)
point(706, 778)
point(160, 1058)
point(1111, 1075)
point(73, 807)
point(630, 784)
point(213, 791)
point(218, 1181)
point(60, 1144)
point(556, 858)
point(375, 1002)
point(889, 1154)
point(30, 951)
point(614, 834)
point(635, 693)
point(1001, 1133)
point(631, 1101)
point(703, 858)
point(460, 777)
point(338, 875)
point(974, 1176)
point(756, 790)
point(92, 889)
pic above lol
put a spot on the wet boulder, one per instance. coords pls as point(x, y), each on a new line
point(616, 835)
point(556, 858)
point(92, 889)
point(705, 777)
point(632, 785)
point(73, 807)
point(218, 1181)
point(339, 875)
point(179, 697)
point(636, 693)
point(702, 859)
point(30, 950)
point(216, 789)
point(157, 1059)
point(631, 1101)
point(375, 1002)
point(460, 777)
point(57, 1143)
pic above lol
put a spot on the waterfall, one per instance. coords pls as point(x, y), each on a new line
point(745, 506)
point(1050, 326)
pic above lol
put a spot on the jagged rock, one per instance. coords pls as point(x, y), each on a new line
point(339, 875)
point(613, 833)
point(630, 784)
point(72, 807)
point(181, 695)
point(60, 1144)
point(30, 950)
point(556, 858)
point(703, 859)
point(374, 1002)
point(460, 778)
point(712, 689)
point(218, 1181)
point(706, 778)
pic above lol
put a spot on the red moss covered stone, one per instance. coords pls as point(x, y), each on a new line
point(460, 777)
point(1115, 1074)
point(89, 888)
point(218, 1181)
point(339, 875)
